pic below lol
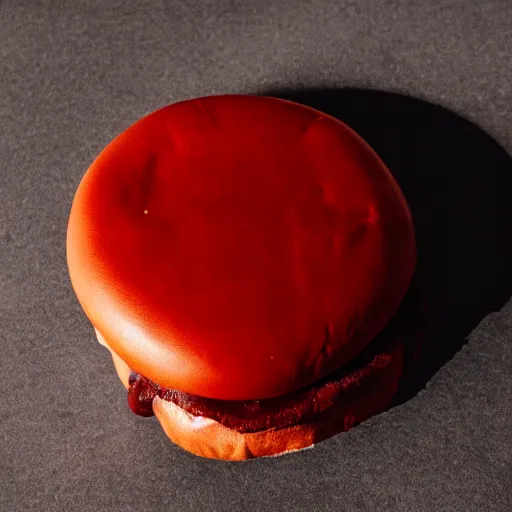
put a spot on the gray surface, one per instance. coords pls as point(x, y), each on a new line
point(72, 77)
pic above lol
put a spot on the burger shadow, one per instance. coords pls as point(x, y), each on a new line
point(457, 181)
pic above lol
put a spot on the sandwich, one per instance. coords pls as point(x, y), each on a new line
point(248, 262)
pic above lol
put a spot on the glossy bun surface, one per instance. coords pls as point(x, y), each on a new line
point(239, 247)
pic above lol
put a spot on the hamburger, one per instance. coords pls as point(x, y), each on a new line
point(247, 261)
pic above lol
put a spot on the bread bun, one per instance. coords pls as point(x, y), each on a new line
point(239, 247)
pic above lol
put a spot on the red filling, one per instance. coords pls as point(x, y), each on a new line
point(301, 406)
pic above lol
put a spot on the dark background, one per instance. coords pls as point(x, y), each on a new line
point(75, 74)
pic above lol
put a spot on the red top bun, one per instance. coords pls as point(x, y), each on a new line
point(239, 247)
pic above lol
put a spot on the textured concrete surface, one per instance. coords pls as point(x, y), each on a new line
point(75, 74)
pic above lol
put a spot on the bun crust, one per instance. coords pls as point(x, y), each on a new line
point(239, 247)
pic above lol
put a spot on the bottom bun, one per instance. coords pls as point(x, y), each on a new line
point(208, 438)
